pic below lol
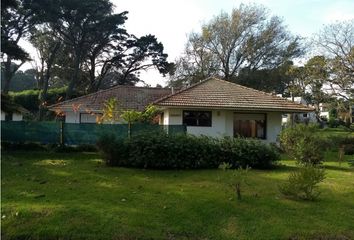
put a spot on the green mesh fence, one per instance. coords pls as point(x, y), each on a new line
point(38, 132)
point(89, 133)
point(76, 134)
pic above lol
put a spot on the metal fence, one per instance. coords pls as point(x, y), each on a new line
point(76, 134)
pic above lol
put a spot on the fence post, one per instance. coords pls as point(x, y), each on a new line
point(61, 133)
point(129, 129)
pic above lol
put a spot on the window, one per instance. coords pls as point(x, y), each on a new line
point(88, 118)
point(304, 115)
point(250, 125)
point(8, 116)
point(197, 118)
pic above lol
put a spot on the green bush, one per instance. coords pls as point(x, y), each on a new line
point(162, 151)
point(241, 152)
point(303, 184)
point(29, 98)
point(301, 143)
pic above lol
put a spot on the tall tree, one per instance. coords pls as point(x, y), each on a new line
point(336, 42)
point(74, 21)
point(48, 47)
point(316, 76)
point(245, 39)
point(17, 18)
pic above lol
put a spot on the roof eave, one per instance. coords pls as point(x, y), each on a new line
point(248, 109)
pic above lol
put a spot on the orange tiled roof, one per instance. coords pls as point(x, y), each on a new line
point(217, 93)
point(129, 97)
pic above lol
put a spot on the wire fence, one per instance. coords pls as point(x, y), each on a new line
point(76, 134)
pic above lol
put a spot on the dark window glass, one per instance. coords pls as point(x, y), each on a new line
point(197, 118)
point(8, 116)
point(250, 128)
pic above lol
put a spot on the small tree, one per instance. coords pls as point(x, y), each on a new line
point(111, 113)
point(235, 177)
point(303, 184)
point(301, 143)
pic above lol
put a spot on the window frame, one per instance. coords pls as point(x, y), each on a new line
point(198, 111)
point(265, 133)
point(80, 121)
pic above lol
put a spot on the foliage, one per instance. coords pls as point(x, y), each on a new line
point(29, 98)
point(301, 143)
point(21, 80)
point(247, 38)
point(236, 177)
point(303, 184)
point(240, 152)
point(162, 151)
point(111, 113)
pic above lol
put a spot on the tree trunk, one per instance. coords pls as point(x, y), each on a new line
point(45, 82)
point(7, 75)
point(75, 76)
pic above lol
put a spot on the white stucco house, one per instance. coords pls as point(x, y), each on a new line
point(212, 107)
point(10, 111)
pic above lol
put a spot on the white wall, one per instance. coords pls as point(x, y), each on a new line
point(72, 117)
point(222, 123)
point(2, 115)
point(17, 117)
point(273, 126)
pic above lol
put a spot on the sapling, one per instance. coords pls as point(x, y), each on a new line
point(236, 177)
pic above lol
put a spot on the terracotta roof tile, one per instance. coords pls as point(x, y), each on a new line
point(129, 97)
point(217, 93)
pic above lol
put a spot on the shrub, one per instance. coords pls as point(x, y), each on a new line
point(114, 150)
point(235, 177)
point(301, 143)
point(163, 151)
point(303, 184)
point(241, 152)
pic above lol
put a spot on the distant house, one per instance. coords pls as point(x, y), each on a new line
point(212, 107)
point(87, 108)
point(11, 111)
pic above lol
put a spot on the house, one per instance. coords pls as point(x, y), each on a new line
point(218, 108)
point(212, 107)
point(87, 108)
point(11, 111)
point(309, 117)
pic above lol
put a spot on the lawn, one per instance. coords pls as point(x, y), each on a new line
point(75, 196)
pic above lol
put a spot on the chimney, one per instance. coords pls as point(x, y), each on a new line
point(172, 90)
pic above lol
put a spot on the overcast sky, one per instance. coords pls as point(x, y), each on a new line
point(171, 20)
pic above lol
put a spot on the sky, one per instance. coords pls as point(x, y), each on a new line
point(172, 20)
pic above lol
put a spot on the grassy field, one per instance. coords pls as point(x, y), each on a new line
point(75, 196)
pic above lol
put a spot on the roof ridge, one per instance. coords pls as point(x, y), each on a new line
point(183, 90)
point(102, 91)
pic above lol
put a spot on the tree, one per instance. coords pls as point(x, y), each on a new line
point(317, 75)
point(74, 22)
point(245, 39)
point(17, 18)
point(47, 46)
point(129, 56)
point(336, 41)
point(196, 63)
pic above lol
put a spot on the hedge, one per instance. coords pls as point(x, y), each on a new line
point(163, 151)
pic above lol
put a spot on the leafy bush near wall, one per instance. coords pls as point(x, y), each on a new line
point(302, 143)
point(162, 151)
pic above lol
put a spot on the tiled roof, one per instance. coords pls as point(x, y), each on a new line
point(129, 97)
point(217, 93)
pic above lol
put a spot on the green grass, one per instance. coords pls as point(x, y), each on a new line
point(75, 196)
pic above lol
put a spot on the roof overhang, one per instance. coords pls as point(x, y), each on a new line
point(239, 109)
